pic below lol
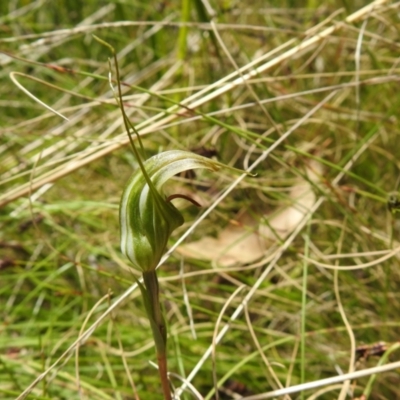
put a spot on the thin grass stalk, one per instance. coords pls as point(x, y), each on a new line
point(183, 30)
point(304, 310)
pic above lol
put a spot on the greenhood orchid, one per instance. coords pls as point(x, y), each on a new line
point(147, 218)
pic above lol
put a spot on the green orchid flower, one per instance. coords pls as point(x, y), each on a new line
point(147, 217)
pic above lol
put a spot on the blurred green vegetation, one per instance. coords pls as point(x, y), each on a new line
point(59, 253)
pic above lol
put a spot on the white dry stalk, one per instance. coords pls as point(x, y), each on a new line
point(369, 264)
point(215, 335)
point(101, 143)
point(325, 382)
point(201, 97)
point(97, 150)
point(344, 391)
point(48, 37)
point(67, 145)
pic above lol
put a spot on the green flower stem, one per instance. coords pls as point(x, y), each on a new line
point(147, 219)
point(151, 296)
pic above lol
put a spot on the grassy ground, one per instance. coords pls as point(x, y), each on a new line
point(321, 299)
